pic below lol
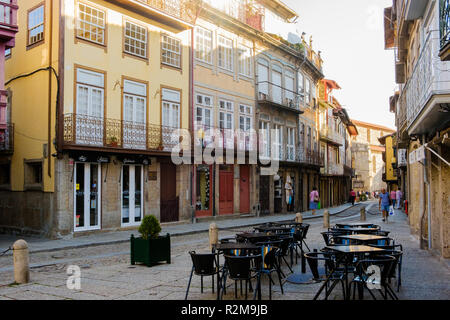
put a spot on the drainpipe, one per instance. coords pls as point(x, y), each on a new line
point(426, 202)
point(50, 58)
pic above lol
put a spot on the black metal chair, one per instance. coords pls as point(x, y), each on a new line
point(203, 265)
point(285, 250)
point(329, 265)
point(330, 238)
point(366, 275)
point(269, 262)
point(243, 268)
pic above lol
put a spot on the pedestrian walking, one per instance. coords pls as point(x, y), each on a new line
point(352, 197)
point(314, 200)
point(384, 204)
point(393, 197)
point(289, 194)
point(399, 196)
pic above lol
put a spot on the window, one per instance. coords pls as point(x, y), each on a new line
point(91, 24)
point(245, 118)
point(135, 40)
point(290, 144)
point(302, 135)
point(226, 114)
point(171, 51)
point(204, 113)
point(36, 25)
point(171, 108)
point(263, 77)
point(89, 106)
point(264, 135)
point(308, 92)
point(8, 53)
point(368, 135)
point(203, 45)
point(289, 84)
point(33, 174)
point(245, 61)
point(225, 48)
point(134, 114)
point(278, 142)
point(308, 141)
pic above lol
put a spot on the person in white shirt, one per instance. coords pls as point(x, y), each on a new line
point(399, 196)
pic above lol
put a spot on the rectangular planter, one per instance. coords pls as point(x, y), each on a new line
point(150, 251)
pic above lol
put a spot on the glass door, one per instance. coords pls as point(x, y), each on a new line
point(87, 195)
point(132, 195)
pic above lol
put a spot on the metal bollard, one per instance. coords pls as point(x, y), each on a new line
point(21, 262)
point(363, 214)
point(298, 217)
point(213, 235)
point(326, 219)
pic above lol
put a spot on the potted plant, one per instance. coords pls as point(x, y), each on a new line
point(150, 248)
point(113, 142)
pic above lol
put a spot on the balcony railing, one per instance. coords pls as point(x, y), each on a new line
point(277, 95)
point(91, 131)
point(225, 139)
point(8, 14)
point(180, 9)
point(310, 157)
point(430, 75)
point(6, 138)
point(328, 134)
point(444, 22)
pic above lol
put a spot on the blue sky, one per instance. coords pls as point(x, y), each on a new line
point(350, 34)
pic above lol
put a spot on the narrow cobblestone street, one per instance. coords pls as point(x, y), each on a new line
point(106, 272)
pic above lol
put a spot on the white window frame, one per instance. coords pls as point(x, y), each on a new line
point(308, 91)
point(36, 21)
point(203, 45)
point(132, 182)
point(245, 112)
point(226, 108)
point(245, 61)
point(264, 129)
point(278, 141)
point(100, 27)
point(290, 144)
point(171, 104)
point(135, 40)
point(168, 53)
point(225, 53)
point(202, 106)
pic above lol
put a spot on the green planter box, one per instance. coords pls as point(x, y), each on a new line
point(151, 251)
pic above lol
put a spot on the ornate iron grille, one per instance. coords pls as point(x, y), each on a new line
point(7, 138)
point(444, 22)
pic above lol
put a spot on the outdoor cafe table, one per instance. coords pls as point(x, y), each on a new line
point(255, 236)
point(346, 254)
point(221, 247)
point(355, 225)
point(362, 238)
point(273, 229)
point(356, 230)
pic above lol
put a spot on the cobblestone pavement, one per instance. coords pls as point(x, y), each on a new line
point(107, 274)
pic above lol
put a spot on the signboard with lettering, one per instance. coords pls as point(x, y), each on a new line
point(152, 175)
point(417, 155)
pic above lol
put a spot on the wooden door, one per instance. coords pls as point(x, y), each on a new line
point(169, 199)
point(226, 194)
point(264, 194)
point(244, 206)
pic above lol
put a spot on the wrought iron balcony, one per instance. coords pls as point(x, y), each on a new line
point(8, 21)
point(331, 136)
point(275, 95)
point(225, 139)
point(88, 131)
point(6, 138)
point(430, 76)
point(444, 23)
point(310, 157)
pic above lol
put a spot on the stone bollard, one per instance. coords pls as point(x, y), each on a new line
point(213, 235)
point(21, 262)
point(326, 219)
point(298, 217)
point(363, 214)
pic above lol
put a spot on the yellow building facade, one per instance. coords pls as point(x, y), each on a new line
point(96, 90)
